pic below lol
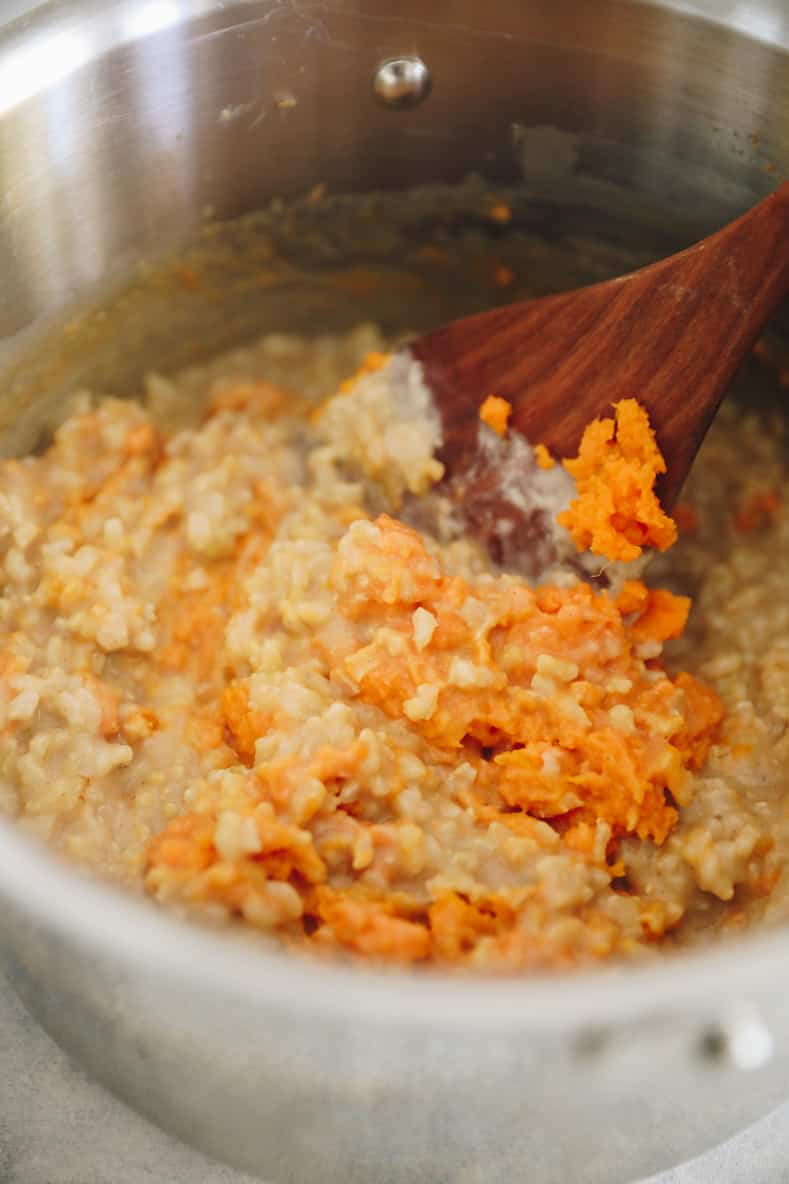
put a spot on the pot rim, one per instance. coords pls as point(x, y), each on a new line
point(58, 37)
point(60, 901)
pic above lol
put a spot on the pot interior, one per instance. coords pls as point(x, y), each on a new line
point(615, 131)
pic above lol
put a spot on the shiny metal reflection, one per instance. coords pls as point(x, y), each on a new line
point(402, 82)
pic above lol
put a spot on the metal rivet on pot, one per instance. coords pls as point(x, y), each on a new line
point(742, 1040)
point(402, 82)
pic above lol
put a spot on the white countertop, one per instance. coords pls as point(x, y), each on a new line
point(58, 1127)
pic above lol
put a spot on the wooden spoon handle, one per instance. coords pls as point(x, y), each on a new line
point(670, 335)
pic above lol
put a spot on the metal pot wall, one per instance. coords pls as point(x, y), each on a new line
point(121, 125)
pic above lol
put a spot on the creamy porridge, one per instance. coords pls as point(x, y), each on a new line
point(235, 679)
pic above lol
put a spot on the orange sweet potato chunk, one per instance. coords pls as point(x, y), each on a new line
point(496, 412)
point(617, 513)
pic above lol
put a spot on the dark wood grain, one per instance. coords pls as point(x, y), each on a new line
point(671, 335)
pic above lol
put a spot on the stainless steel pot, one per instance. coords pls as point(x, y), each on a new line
point(120, 125)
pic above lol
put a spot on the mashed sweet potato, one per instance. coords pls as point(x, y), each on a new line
point(617, 513)
point(551, 702)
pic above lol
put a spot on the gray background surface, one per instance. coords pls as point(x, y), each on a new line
point(58, 1127)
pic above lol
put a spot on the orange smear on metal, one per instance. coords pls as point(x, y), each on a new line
point(504, 276)
point(617, 513)
point(499, 211)
point(760, 510)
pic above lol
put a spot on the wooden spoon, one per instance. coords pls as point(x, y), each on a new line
point(670, 335)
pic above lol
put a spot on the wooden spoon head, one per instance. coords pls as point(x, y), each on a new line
point(670, 335)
